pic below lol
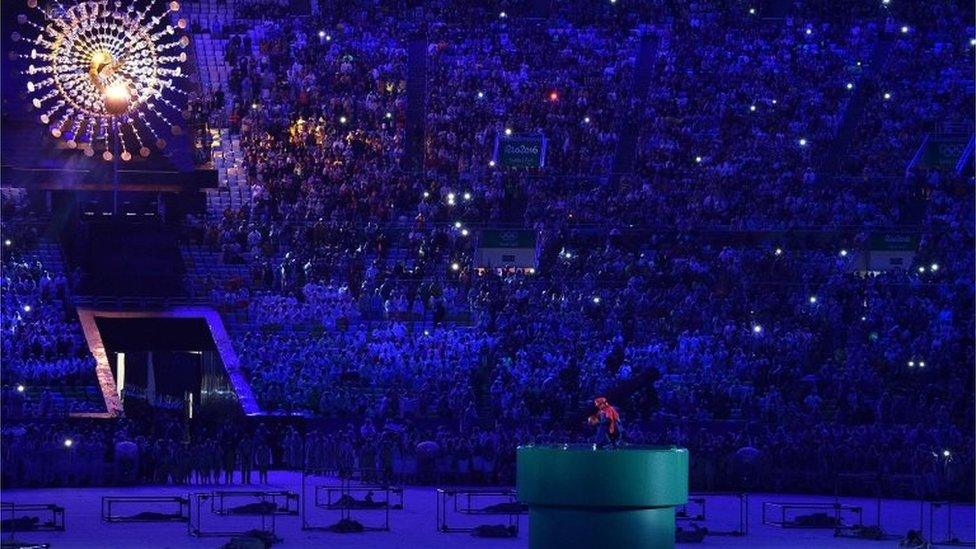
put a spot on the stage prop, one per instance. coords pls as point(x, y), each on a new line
point(950, 538)
point(819, 515)
point(146, 509)
point(350, 499)
point(582, 497)
point(480, 502)
point(858, 484)
point(695, 511)
point(31, 517)
point(339, 497)
point(268, 502)
point(232, 524)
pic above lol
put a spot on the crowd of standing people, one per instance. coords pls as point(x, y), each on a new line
point(722, 282)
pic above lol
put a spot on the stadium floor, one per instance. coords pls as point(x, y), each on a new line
point(414, 526)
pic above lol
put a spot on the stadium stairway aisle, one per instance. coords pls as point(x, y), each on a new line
point(206, 15)
point(213, 72)
point(855, 108)
point(912, 210)
point(232, 189)
point(203, 264)
point(416, 101)
point(48, 252)
point(779, 9)
point(629, 123)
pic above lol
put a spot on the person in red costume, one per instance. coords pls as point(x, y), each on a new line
point(607, 420)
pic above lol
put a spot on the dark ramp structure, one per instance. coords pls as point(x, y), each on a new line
point(149, 357)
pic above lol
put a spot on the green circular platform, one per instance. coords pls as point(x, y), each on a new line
point(620, 498)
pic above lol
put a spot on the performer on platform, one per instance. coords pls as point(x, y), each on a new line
point(607, 421)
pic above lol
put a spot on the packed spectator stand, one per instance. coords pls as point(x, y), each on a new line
point(716, 276)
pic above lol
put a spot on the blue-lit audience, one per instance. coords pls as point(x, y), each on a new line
point(42, 344)
point(368, 326)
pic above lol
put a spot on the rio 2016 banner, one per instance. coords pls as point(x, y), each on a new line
point(507, 249)
point(888, 251)
point(941, 151)
point(523, 151)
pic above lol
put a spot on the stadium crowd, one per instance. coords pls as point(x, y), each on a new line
point(42, 345)
point(370, 327)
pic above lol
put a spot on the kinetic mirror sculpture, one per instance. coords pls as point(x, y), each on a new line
point(104, 74)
